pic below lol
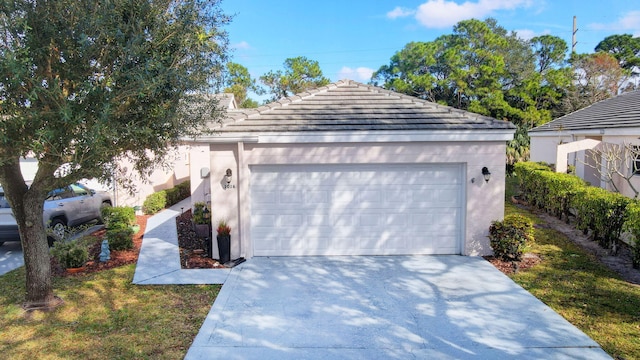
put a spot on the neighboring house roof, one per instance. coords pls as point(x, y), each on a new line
point(622, 111)
point(351, 106)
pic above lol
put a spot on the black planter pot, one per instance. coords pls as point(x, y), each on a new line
point(224, 248)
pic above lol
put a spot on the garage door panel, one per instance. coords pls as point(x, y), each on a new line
point(356, 210)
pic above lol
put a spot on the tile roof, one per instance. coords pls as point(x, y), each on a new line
point(622, 111)
point(350, 106)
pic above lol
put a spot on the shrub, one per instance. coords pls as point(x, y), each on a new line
point(155, 202)
point(119, 217)
point(70, 254)
point(509, 237)
point(632, 225)
point(120, 239)
point(198, 214)
point(178, 193)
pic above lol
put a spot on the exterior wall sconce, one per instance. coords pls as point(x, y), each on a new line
point(227, 176)
point(486, 174)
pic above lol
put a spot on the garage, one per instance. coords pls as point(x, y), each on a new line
point(385, 209)
point(353, 169)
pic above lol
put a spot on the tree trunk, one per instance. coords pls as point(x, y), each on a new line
point(27, 205)
point(36, 253)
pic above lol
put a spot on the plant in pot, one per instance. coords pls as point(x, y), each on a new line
point(224, 241)
point(201, 220)
point(70, 254)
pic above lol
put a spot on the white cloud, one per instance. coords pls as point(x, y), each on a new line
point(629, 22)
point(400, 12)
point(242, 45)
point(526, 34)
point(445, 13)
point(358, 74)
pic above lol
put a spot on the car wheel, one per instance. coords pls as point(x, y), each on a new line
point(102, 208)
point(58, 229)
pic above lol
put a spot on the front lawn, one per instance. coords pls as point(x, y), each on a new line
point(581, 289)
point(104, 317)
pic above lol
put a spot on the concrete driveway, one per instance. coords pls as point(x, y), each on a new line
point(10, 256)
point(397, 307)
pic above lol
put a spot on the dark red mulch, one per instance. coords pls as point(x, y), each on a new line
point(118, 258)
point(508, 267)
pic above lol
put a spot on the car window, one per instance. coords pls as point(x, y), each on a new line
point(59, 194)
point(79, 190)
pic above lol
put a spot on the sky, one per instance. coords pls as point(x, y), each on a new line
point(352, 38)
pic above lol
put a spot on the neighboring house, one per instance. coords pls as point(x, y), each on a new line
point(352, 169)
point(569, 140)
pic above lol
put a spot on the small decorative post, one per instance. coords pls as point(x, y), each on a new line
point(105, 253)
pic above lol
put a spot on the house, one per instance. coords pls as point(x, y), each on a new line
point(352, 169)
point(571, 139)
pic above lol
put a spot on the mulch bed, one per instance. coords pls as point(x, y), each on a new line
point(510, 267)
point(192, 247)
point(118, 258)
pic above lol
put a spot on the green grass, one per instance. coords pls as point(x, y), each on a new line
point(582, 290)
point(104, 317)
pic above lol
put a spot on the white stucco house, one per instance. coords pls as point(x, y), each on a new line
point(352, 169)
point(570, 139)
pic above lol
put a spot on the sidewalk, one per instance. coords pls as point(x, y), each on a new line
point(159, 259)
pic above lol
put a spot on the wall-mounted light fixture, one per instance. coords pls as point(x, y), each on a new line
point(486, 174)
point(227, 176)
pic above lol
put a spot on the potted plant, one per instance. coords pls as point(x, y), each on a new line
point(224, 241)
point(201, 220)
point(70, 254)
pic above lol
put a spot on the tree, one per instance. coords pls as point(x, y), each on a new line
point(595, 77)
point(238, 81)
point(617, 164)
point(625, 48)
point(88, 83)
point(482, 68)
point(300, 74)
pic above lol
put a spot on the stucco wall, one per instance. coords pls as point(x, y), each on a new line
point(623, 186)
point(484, 201)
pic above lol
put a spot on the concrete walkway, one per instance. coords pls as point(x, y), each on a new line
point(363, 307)
point(159, 259)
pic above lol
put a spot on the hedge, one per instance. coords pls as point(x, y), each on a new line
point(508, 238)
point(165, 198)
point(596, 209)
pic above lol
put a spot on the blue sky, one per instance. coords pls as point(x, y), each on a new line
point(352, 38)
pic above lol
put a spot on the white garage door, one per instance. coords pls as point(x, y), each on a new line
point(356, 209)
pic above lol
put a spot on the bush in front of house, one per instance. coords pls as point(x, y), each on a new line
point(178, 193)
point(632, 225)
point(70, 254)
point(508, 238)
point(164, 198)
point(119, 221)
point(155, 202)
point(597, 210)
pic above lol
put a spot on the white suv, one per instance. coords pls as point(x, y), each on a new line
point(65, 207)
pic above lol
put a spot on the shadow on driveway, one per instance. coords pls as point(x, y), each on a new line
point(382, 307)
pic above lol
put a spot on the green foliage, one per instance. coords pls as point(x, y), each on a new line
point(119, 217)
point(238, 81)
point(155, 202)
point(164, 198)
point(625, 48)
point(120, 238)
point(300, 74)
point(70, 254)
point(93, 84)
point(597, 210)
point(178, 193)
point(198, 214)
point(508, 238)
point(632, 225)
